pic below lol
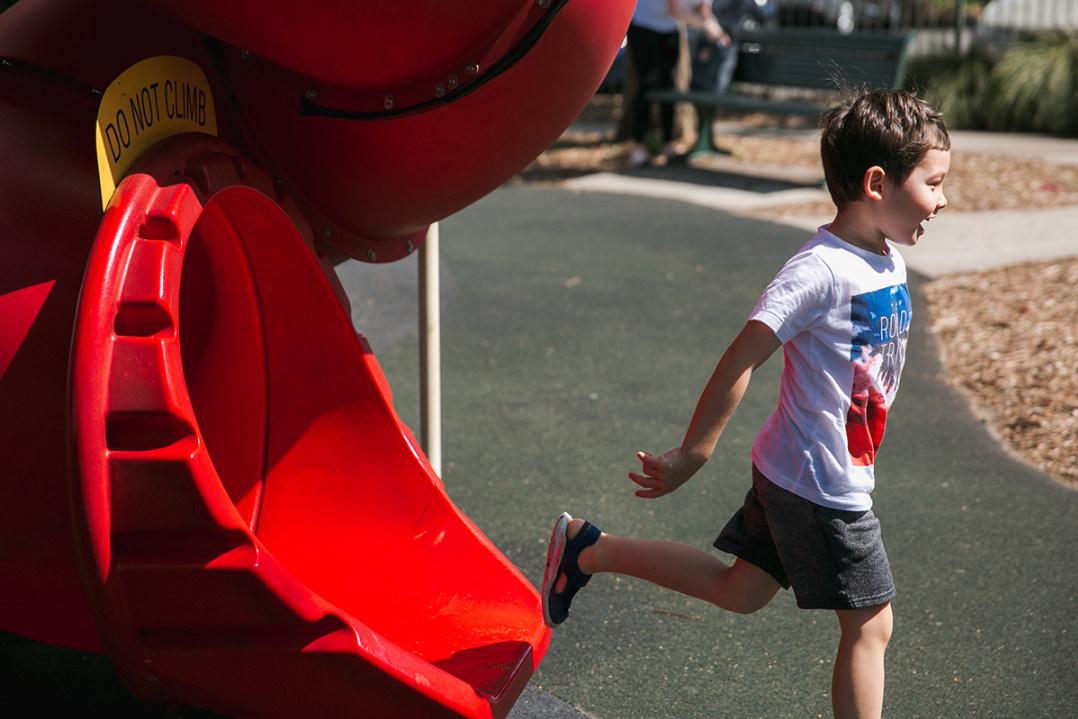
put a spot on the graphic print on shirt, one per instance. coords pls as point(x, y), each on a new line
point(881, 326)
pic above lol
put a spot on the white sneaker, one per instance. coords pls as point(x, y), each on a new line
point(674, 152)
point(638, 157)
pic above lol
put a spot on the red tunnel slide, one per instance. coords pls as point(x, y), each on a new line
point(204, 475)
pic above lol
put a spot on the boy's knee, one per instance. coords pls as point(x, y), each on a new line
point(744, 588)
point(747, 605)
point(748, 602)
point(873, 624)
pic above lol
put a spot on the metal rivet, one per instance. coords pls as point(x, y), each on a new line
point(7, 63)
point(542, 3)
point(409, 247)
point(472, 69)
point(245, 54)
point(371, 256)
point(326, 233)
point(452, 82)
point(311, 94)
point(389, 102)
point(439, 90)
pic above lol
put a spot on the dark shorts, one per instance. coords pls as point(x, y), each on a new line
point(833, 559)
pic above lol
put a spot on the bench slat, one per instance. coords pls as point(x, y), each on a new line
point(816, 70)
point(811, 59)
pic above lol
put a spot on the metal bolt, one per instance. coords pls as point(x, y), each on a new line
point(439, 90)
point(371, 256)
point(7, 63)
point(472, 69)
point(389, 102)
point(409, 247)
point(245, 54)
point(452, 82)
point(542, 3)
point(326, 232)
point(311, 94)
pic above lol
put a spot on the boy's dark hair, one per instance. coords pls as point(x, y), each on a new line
point(890, 128)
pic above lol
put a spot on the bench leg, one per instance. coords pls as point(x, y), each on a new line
point(705, 143)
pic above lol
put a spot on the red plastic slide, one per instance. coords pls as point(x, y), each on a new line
point(204, 475)
point(258, 517)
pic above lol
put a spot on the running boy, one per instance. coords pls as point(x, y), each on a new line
point(841, 311)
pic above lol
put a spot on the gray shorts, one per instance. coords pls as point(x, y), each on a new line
point(833, 559)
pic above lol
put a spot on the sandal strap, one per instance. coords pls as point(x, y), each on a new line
point(588, 535)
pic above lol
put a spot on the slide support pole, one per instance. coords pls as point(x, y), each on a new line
point(430, 378)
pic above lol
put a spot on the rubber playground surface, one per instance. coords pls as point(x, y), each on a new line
point(579, 328)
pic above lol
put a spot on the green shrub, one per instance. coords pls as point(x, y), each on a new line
point(1035, 87)
point(958, 86)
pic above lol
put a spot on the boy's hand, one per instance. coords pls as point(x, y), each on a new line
point(662, 475)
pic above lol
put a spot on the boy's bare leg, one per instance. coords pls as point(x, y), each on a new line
point(857, 683)
point(741, 588)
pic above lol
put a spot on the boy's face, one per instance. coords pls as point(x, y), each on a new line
point(906, 207)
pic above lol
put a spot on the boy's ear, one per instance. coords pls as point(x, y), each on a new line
point(872, 184)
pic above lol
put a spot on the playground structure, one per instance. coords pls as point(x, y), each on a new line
point(205, 476)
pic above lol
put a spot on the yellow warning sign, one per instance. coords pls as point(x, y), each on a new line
point(153, 99)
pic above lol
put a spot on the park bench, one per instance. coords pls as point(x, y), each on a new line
point(805, 59)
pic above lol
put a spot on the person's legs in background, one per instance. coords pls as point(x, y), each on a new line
point(655, 57)
point(727, 66)
point(669, 51)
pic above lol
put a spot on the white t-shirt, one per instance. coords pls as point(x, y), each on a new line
point(843, 315)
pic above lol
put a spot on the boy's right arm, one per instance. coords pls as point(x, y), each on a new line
point(663, 474)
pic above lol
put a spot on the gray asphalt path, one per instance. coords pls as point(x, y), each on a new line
point(582, 329)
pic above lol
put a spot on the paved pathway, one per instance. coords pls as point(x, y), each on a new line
point(582, 329)
point(544, 414)
point(956, 242)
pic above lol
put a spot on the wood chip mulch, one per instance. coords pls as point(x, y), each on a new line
point(1008, 338)
point(978, 182)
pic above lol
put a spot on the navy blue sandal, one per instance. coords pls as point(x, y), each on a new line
point(562, 557)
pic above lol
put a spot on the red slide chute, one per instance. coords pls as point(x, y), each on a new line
point(204, 475)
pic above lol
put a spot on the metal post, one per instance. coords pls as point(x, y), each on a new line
point(430, 356)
